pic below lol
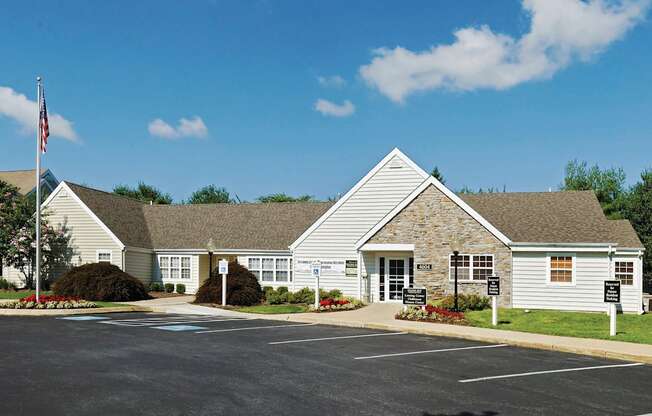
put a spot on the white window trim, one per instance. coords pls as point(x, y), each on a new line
point(635, 277)
point(104, 251)
point(170, 278)
point(451, 275)
point(573, 281)
point(289, 270)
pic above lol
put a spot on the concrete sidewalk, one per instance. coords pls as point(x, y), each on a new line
point(381, 316)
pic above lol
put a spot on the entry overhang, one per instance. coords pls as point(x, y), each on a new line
point(387, 247)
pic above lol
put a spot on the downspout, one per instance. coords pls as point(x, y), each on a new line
point(124, 250)
point(359, 272)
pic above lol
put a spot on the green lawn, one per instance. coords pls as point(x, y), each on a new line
point(10, 294)
point(631, 328)
point(271, 309)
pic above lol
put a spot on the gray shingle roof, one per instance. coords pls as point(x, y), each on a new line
point(552, 217)
point(533, 217)
point(254, 226)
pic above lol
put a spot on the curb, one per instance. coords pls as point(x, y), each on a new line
point(496, 339)
point(65, 312)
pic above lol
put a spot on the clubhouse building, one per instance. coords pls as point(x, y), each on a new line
point(397, 227)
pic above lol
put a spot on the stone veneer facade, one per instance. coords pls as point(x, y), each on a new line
point(431, 222)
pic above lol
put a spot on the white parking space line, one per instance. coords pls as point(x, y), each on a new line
point(249, 328)
point(293, 341)
point(430, 351)
point(170, 322)
point(535, 373)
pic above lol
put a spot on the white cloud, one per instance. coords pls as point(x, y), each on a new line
point(335, 81)
point(327, 108)
point(560, 32)
point(194, 127)
point(25, 112)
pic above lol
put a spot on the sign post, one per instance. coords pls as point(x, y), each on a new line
point(414, 296)
point(493, 290)
point(612, 297)
point(316, 273)
point(223, 267)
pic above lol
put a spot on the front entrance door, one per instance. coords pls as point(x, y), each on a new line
point(396, 279)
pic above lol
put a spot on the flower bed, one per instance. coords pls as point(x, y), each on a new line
point(48, 302)
point(432, 314)
point(335, 305)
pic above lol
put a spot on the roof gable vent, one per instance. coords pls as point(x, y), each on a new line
point(396, 163)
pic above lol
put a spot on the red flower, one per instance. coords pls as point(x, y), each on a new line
point(48, 298)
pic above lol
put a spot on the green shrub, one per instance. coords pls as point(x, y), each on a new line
point(305, 295)
point(242, 288)
point(6, 285)
point(155, 287)
point(169, 287)
point(282, 289)
point(466, 302)
point(181, 288)
point(100, 281)
point(274, 298)
point(331, 294)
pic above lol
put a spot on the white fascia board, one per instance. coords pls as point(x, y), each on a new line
point(356, 187)
point(387, 247)
point(451, 195)
point(564, 247)
point(99, 222)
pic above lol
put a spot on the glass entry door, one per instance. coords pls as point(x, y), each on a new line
point(397, 271)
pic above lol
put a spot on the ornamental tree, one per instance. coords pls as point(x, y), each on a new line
point(56, 253)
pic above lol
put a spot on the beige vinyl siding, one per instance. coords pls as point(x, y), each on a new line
point(139, 264)
point(87, 236)
point(335, 238)
point(531, 289)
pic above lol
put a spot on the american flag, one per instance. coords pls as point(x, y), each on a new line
point(43, 127)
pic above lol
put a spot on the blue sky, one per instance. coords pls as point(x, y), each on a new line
point(487, 107)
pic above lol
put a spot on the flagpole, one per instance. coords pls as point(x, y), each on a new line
point(37, 273)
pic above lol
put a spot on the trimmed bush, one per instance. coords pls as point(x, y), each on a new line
point(466, 302)
point(305, 295)
point(169, 287)
point(242, 288)
point(282, 289)
point(6, 285)
point(100, 281)
point(181, 288)
point(155, 287)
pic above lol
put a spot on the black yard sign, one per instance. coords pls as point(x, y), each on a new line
point(414, 296)
point(612, 291)
point(493, 286)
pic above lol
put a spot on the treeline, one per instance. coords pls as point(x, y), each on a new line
point(210, 194)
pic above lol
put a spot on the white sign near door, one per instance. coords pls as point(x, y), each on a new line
point(328, 267)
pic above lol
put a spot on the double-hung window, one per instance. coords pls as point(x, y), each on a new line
point(104, 256)
point(561, 269)
point(471, 267)
point(271, 269)
point(174, 267)
point(625, 272)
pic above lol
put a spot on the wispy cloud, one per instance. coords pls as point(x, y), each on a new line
point(193, 127)
point(25, 112)
point(561, 31)
point(327, 108)
point(335, 81)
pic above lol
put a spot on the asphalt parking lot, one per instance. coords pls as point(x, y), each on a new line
point(153, 364)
